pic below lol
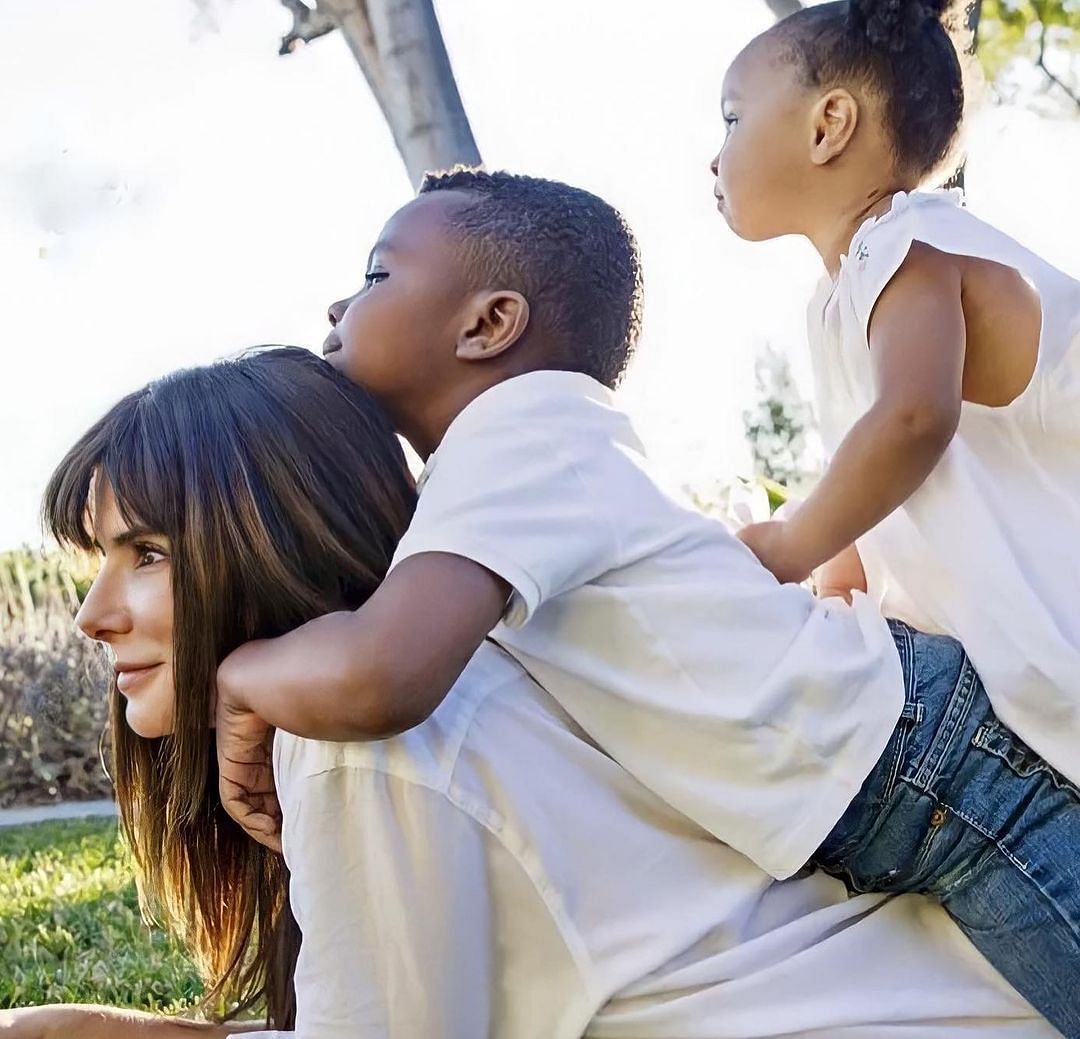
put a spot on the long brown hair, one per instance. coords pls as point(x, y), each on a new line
point(283, 491)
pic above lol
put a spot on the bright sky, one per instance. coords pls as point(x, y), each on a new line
point(171, 190)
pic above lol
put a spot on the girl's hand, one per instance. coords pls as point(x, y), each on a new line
point(777, 550)
point(840, 576)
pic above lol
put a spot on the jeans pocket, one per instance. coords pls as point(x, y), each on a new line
point(994, 738)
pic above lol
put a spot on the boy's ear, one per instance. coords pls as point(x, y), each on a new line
point(833, 122)
point(494, 322)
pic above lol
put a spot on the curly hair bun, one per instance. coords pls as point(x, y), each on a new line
point(893, 24)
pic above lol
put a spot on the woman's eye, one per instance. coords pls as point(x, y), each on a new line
point(730, 121)
point(374, 277)
point(148, 555)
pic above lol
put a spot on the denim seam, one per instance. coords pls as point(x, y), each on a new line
point(1043, 769)
point(1021, 866)
point(912, 712)
point(960, 703)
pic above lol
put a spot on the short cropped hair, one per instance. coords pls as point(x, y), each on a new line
point(568, 252)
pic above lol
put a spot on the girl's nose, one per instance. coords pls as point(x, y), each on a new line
point(714, 166)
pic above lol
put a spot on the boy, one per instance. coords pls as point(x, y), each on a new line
point(749, 706)
point(497, 313)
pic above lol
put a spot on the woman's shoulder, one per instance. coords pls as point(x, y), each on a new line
point(428, 754)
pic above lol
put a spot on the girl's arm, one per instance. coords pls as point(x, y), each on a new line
point(841, 575)
point(917, 345)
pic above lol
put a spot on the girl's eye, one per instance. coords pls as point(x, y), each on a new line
point(148, 555)
point(730, 121)
point(374, 277)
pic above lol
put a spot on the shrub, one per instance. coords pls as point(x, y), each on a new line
point(52, 684)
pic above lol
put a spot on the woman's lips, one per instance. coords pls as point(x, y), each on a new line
point(128, 678)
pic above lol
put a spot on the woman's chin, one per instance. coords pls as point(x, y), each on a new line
point(150, 725)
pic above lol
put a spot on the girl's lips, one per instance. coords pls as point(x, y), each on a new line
point(127, 680)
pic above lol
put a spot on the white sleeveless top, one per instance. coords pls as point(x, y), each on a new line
point(988, 549)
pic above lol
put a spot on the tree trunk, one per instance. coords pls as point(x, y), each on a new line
point(400, 50)
point(782, 8)
point(967, 43)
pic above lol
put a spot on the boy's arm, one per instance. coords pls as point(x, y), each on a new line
point(376, 671)
point(368, 674)
point(917, 343)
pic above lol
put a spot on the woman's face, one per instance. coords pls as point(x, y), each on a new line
point(130, 609)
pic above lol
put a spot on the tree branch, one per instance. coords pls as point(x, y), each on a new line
point(1055, 80)
point(308, 24)
point(783, 8)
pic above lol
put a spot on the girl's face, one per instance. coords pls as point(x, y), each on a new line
point(763, 164)
point(130, 609)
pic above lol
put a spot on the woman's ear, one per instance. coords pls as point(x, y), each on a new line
point(495, 321)
point(833, 122)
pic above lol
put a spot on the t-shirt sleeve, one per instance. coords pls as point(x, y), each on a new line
point(415, 920)
point(521, 491)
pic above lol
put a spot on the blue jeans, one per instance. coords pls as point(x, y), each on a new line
point(960, 809)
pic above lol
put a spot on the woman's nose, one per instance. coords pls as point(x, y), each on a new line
point(102, 615)
point(714, 166)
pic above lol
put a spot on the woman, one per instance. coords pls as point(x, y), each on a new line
point(491, 872)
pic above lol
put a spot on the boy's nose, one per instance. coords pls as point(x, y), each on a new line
point(336, 311)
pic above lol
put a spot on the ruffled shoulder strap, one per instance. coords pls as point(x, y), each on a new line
point(880, 246)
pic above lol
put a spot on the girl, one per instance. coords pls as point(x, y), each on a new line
point(946, 356)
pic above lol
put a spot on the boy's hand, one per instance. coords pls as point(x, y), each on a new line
point(245, 746)
point(777, 550)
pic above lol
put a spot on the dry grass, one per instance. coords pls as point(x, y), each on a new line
point(52, 682)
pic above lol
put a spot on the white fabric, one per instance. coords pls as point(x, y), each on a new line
point(492, 873)
point(750, 707)
point(987, 548)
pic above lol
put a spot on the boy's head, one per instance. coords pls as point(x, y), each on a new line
point(868, 93)
point(484, 276)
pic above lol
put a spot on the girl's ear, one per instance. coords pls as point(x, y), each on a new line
point(833, 122)
point(495, 321)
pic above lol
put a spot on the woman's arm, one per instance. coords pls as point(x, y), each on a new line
point(67, 1021)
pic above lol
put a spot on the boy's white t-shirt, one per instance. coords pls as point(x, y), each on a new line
point(750, 707)
point(988, 548)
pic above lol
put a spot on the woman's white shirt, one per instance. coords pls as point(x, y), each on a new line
point(492, 873)
point(986, 548)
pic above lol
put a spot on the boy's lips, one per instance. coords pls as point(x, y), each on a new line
point(331, 344)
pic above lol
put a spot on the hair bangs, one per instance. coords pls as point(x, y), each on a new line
point(122, 453)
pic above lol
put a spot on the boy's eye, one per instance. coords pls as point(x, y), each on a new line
point(730, 121)
point(374, 277)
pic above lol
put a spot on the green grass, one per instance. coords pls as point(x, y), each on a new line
point(70, 929)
